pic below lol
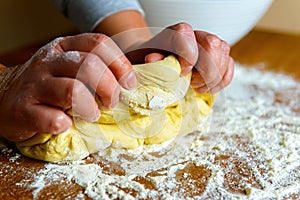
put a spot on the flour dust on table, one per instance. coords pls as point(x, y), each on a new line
point(254, 155)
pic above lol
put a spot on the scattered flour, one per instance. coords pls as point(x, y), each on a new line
point(51, 51)
point(253, 154)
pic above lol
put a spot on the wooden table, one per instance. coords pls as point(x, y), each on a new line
point(273, 51)
point(276, 52)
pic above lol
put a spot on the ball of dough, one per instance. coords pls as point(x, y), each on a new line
point(162, 107)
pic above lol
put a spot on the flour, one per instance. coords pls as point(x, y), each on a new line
point(254, 153)
point(52, 52)
point(156, 103)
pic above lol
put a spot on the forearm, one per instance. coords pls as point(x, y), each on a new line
point(127, 28)
point(107, 16)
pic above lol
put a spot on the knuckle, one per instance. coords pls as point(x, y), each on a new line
point(213, 40)
point(98, 39)
point(93, 39)
point(225, 47)
point(183, 26)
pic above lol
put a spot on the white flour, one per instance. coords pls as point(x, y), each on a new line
point(255, 154)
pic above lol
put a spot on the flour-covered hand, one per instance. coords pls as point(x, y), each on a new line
point(65, 74)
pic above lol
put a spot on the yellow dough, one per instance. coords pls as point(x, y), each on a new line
point(161, 108)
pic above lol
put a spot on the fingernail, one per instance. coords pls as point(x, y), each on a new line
point(131, 80)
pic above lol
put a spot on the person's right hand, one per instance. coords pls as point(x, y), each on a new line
point(62, 75)
point(205, 55)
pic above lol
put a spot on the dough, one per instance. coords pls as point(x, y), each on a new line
point(162, 107)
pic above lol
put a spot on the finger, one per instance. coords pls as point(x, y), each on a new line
point(92, 71)
point(185, 46)
point(208, 86)
point(178, 39)
point(154, 57)
point(197, 80)
point(67, 93)
point(210, 48)
point(218, 83)
point(198, 83)
point(40, 118)
point(210, 55)
point(229, 73)
point(108, 52)
point(212, 63)
point(227, 78)
point(207, 40)
point(225, 58)
point(205, 79)
point(47, 119)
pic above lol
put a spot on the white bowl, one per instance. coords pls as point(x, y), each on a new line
point(229, 19)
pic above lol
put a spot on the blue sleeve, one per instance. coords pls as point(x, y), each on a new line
point(86, 14)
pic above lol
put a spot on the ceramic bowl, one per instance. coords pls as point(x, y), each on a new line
point(229, 19)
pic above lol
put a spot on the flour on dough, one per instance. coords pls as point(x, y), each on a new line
point(162, 107)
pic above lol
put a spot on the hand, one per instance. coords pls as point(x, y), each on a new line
point(60, 76)
point(215, 67)
point(203, 53)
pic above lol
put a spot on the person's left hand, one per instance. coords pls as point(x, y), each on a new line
point(203, 53)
